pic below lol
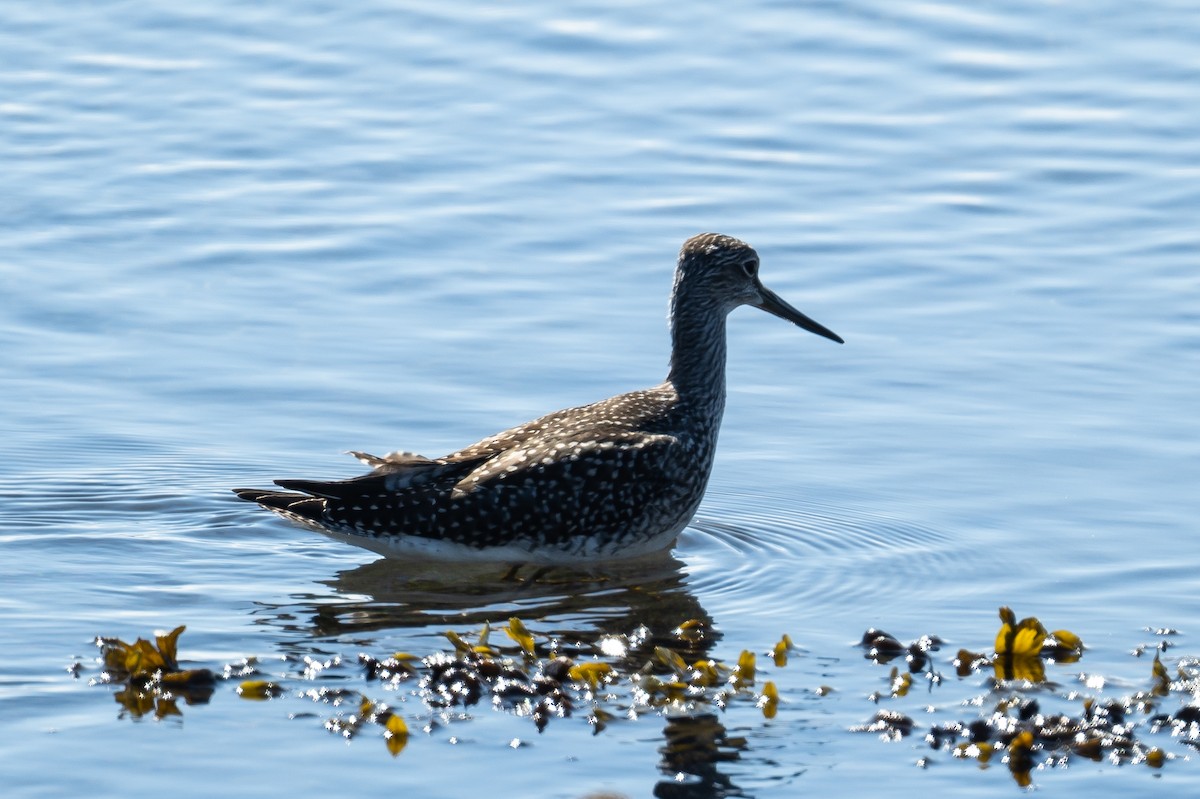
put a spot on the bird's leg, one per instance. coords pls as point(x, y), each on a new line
point(540, 572)
point(511, 574)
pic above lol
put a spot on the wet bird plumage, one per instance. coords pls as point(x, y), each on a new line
point(617, 478)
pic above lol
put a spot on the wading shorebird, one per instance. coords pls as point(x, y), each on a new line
point(619, 478)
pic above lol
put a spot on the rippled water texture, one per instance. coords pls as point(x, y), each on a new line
point(240, 239)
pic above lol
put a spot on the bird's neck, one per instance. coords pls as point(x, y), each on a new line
point(698, 355)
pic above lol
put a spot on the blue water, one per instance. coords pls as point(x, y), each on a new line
point(238, 240)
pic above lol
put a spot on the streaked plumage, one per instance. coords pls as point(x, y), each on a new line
point(617, 478)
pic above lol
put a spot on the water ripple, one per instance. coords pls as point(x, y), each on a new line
point(765, 553)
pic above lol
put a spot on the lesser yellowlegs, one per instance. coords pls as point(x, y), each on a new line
point(614, 479)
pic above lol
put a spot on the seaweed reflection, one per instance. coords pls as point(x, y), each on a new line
point(695, 744)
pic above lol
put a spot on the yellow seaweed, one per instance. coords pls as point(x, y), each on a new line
point(692, 630)
point(1162, 680)
point(743, 675)
point(769, 701)
point(780, 653)
point(1019, 638)
point(592, 673)
point(460, 645)
point(705, 674)
point(395, 733)
point(1067, 640)
point(1020, 758)
point(517, 631)
point(167, 644)
point(671, 659)
point(900, 682)
point(259, 690)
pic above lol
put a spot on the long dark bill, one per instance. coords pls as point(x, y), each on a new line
point(773, 304)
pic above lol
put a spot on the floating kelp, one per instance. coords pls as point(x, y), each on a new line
point(259, 690)
point(619, 677)
point(516, 630)
point(884, 648)
point(1023, 719)
point(1014, 728)
point(366, 713)
point(151, 678)
point(890, 725)
point(780, 653)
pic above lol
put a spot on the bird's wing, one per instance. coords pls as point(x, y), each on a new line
point(612, 458)
point(391, 473)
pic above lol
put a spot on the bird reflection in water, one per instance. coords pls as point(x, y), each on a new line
point(644, 603)
point(573, 604)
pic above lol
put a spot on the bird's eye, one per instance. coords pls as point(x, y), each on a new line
point(750, 268)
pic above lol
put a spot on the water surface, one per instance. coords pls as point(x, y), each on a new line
point(239, 241)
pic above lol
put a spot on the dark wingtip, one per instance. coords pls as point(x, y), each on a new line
point(249, 494)
point(295, 505)
point(316, 488)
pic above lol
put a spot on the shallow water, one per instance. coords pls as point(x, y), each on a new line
point(238, 241)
